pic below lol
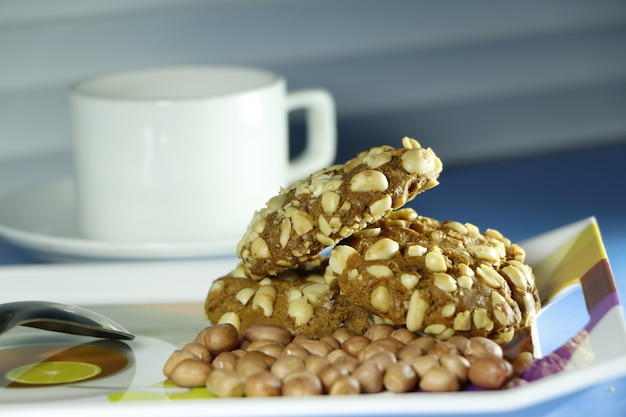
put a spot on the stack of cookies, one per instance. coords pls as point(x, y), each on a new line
point(386, 263)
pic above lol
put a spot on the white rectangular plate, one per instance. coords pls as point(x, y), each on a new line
point(563, 258)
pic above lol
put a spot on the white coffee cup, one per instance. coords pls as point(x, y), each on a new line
point(188, 154)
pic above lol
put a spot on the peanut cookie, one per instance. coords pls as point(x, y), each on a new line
point(333, 203)
point(438, 278)
point(299, 300)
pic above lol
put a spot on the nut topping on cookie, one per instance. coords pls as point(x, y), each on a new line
point(332, 204)
point(441, 278)
point(300, 300)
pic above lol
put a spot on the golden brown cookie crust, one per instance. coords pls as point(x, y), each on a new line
point(440, 278)
point(299, 300)
point(331, 204)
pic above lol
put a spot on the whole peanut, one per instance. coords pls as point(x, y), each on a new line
point(239, 352)
point(355, 344)
point(345, 385)
point(379, 331)
point(388, 343)
point(225, 360)
point(423, 342)
point(191, 373)
point(442, 348)
point(422, 364)
point(370, 377)
point(315, 363)
point(457, 365)
point(347, 362)
point(439, 379)
point(481, 347)
point(267, 332)
point(371, 350)
point(343, 334)
point(225, 383)
point(521, 361)
point(219, 338)
point(459, 341)
point(268, 347)
point(336, 354)
point(332, 342)
point(410, 352)
point(251, 363)
point(491, 373)
point(316, 347)
point(174, 359)
point(294, 349)
point(263, 384)
point(403, 335)
point(301, 383)
point(400, 377)
point(329, 375)
point(383, 359)
point(199, 350)
point(286, 365)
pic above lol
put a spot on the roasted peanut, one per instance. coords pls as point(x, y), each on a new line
point(329, 375)
point(369, 181)
point(336, 354)
point(439, 379)
point(387, 358)
point(400, 377)
point(370, 377)
point(301, 383)
point(424, 342)
point(347, 362)
point(198, 350)
point(442, 348)
point(354, 344)
point(238, 352)
point(315, 363)
point(332, 342)
point(423, 363)
point(383, 359)
point(379, 331)
point(459, 341)
point(343, 334)
point(251, 363)
point(521, 361)
point(267, 332)
point(286, 365)
point(174, 359)
point(316, 347)
point(481, 347)
point(491, 373)
point(515, 382)
point(268, 347)
point(219, 338)
point(410, 352)
point(225, 360)
point(294, 349)
point(456, 364)
point(370, 350)
point(191, 373)
point(403, 335)
point(345, 385)
point(389, 344)
point(263, 384)
point(225, 383)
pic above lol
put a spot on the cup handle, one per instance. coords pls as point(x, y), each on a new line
point(321, 141)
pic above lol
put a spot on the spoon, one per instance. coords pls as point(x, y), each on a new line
point(60, 318)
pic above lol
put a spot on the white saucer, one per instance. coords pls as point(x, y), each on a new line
point(41, 223)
